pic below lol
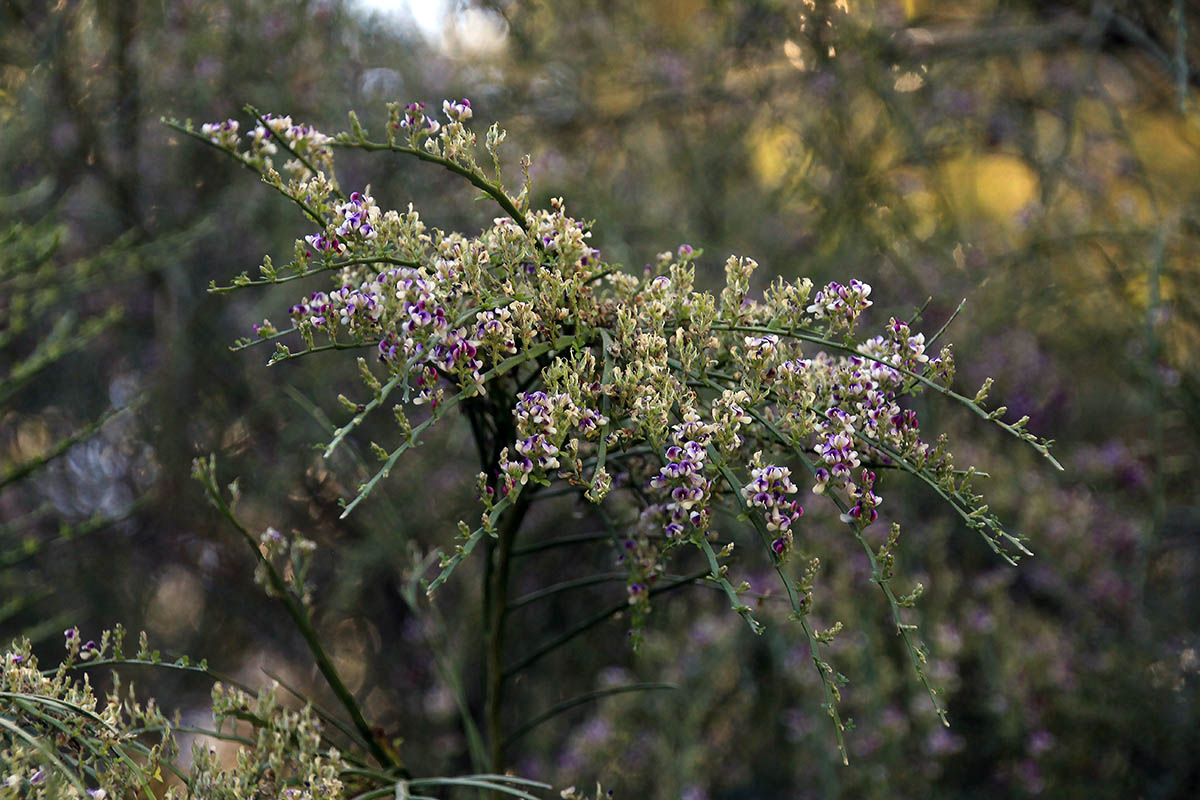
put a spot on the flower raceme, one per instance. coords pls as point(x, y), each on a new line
point(768, 490)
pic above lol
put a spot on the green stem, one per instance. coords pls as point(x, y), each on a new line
point(717, 575)
point(283, 142)
point(320, 712)
point(605, 407)
point(308, 210)
point(563, 541)
point(565, 586)
point(947, 323)
point(98, 522)
point(65, 338)
point(300, 273)
point(496, 594)
point(799, 612)
point(974, 515)
point(593, 621)
point(903, 629)
point(304, 625)
point(502, 368)
point(42, 745)
point(951, 498)
point(16, 473)
point(582, 699)
point(492, 190)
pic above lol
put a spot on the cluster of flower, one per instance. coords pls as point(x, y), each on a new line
point(401, 306)
point(760, 357)
point(455, 354)
point(291, 558)
point(865, 499)
point(223, 134)
point(305, 141)
point(539, 417)
point(835, 447)
point(85, 651)
point(839, 401)
point(684, 477)
point(563, 239)
point(416, 123)
point(354, 223)
point(728, 416)
point(841, 305)
point(642, 557)
point(713, 376)
point(494, 329)
point(768, 489)
point(457, 110)
point(289, 759)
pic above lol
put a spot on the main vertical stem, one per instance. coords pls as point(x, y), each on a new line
point(495, 607)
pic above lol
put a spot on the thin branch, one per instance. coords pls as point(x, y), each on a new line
point(70, 533)
point(282, 142)
point(592, 622)
point(903, 629)
point(245, 281)
point(717, 575)
point(582, 699)
point(561, 541)
point(309, 212)
point(300, 618)
point(503, 367)
point(946, 325)
point(800, 614)
point(86, 432)
point(565, 586)
point(489, 188)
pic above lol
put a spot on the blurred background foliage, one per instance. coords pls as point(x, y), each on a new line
point(1037, 159)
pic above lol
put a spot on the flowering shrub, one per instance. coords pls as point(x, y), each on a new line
point(59, 740)
point(661, 404)
point(89, 737)
point(104, 744)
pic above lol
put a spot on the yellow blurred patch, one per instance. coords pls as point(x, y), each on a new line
point(795, 55)
point(908, 82)
point(1182, 342)
point(1166, 144)
point(923, 207)
point(867, 115)
point(777, 152)
point(1049, 135)
point(1004, 185)
point(12, 77)
point(957, 177)
point(616, 97)
point(996, 186)
point(1031, 67)
point(32, 441)
point(1137, 290)
point(676, 14)
point(177, 603)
